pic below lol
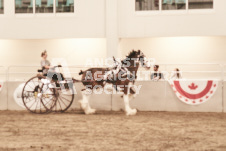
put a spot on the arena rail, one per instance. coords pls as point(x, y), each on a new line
point(18, 74)
point(224, 87)
point(167, 67)
point(3, 88)
point(3, 72)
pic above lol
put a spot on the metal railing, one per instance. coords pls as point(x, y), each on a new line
point(192, 71)
point(189, 71)
point(3, 73)
point(25, 72)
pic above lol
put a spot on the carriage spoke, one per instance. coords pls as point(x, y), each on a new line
point(40, 108)
point(32, 104)
point(36, 104)
point(31, 96)
point(64, 98)
point(33, 82)
point(39, 98)
point(48, 102)
point(63, 101)
point(30, 86)
point(28, 100)
point(59, 104)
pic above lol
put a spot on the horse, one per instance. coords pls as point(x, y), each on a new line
point(123, 80)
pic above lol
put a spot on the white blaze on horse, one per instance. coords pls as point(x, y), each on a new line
point(122, 76)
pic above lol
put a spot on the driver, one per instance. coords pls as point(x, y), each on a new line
point(49, 70)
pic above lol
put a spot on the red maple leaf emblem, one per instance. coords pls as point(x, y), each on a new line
point(193, 86)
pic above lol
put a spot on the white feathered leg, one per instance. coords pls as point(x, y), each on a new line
point(126, 99)
point(84, 103)
point(128, 110)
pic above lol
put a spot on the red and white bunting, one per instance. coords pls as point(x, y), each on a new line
point(194, 92)
point(1, 85)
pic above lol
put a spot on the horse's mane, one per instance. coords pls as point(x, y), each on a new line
point(131, 54)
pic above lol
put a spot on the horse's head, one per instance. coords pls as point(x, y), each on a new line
point(136, 58)
point(143, 60)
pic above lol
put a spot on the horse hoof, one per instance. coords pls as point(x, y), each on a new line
point(132, 112)
point(90, 111)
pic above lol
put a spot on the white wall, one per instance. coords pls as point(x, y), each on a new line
point(178, 49)
point(115, 20)
point(196, 57)
point(88, 21)
point(28, 52)
point(171, 23)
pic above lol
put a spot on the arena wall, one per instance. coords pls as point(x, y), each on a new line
point(3, 98)
point(159, 96)
point(178, 49)
point(77, 51)
point(224, 96)
point(73, 51)
point(153, 96)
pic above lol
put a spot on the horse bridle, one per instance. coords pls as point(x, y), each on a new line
point(141, 58)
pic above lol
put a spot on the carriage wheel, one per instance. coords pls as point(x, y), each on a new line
point(49, 97)
point(65, 97)
point(35, 99)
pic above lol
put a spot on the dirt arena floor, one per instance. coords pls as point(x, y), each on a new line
point(74, 131)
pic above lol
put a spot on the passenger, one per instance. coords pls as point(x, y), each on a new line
point(157, 75)
point(176, 74)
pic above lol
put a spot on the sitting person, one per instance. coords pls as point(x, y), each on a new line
point(49, 70)
point(157, 75)
point(176, 74)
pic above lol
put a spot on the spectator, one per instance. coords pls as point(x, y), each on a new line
point(157, 75)
point(176, 74)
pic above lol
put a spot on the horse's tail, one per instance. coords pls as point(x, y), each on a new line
point(81, 72)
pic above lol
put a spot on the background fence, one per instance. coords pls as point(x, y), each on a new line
point(3, 72)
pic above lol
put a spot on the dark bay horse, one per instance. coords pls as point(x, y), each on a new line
point(122, 76)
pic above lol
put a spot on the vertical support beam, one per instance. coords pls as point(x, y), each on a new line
point(112, 28)
point(9, 8)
